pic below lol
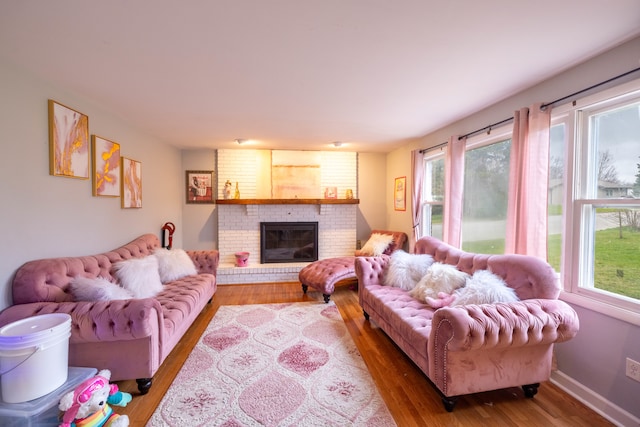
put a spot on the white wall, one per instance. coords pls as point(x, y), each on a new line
point(47, 216)
point(200, 221)
point(595, 359)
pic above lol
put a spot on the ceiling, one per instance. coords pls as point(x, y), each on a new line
point(301, 74)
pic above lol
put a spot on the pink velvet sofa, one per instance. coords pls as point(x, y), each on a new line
point(473, 348)
point(129, 337)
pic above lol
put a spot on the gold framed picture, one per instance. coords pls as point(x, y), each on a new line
point(106, 167)
point(131, 183)
point(68, 142)
point(400, 194)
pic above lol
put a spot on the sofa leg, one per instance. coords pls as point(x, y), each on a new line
point(326, 298)
point(449, 403)
point(144, 384)
point(530, 390)
point(366, 315)
point(304, 288)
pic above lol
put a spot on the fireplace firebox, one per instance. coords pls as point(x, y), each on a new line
point(282, 242)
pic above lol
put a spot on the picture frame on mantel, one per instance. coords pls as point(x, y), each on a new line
point(400, 194)
point(199, 187)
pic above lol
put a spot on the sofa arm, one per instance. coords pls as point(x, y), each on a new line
point(522, 323)
point(98, 321)
point(370, 269)
point(205, 261)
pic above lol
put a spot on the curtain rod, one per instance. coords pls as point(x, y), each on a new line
point(542, 107)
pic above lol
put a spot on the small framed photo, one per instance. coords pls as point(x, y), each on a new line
point(106, 167)
point(199, 188)
point(68, 142)
point(331, 193)
point(131, 183)
point(400, 194)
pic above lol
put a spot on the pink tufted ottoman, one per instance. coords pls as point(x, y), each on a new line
point(324, 274)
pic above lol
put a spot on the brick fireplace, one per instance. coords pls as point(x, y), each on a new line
point(239, 230)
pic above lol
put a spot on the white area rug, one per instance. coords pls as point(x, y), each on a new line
point(274, 365)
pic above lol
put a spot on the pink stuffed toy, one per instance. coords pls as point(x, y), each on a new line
point(444, 300)
point(88, 404)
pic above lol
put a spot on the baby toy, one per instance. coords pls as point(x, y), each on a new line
point(88, 404)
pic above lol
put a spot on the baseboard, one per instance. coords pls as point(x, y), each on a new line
point(599, 404)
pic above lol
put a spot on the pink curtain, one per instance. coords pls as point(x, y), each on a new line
point(528, 183)
point(417, 179)
point(453, 189)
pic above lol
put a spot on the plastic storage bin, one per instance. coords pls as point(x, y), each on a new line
point(43, 411)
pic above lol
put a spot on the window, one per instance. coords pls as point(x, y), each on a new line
point(433, 196)
point(602, 203)
point(556, 194)
point(486, 186)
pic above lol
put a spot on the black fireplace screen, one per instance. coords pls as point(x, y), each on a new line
point(288, 242)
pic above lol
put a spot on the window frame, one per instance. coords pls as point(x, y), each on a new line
point(577, 242)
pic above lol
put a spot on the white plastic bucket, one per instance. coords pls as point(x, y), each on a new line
point(34, 356)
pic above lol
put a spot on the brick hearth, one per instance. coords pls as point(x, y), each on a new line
point(239, 230)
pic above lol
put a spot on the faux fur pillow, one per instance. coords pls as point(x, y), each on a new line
point(97, 289)
point(405, 270)
point(174, 264)
point(439, 278)
point(484, 287)
point(377, 244)
point(139, 275)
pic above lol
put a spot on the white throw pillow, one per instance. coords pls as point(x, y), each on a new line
point(405, 270)
point(484, 287)
point(440, 277)
point(139, 275)
point(377, 244)
point(174, 264)
point(97, 289)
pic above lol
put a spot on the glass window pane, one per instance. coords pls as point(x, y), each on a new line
point(616, 257)
point(433, 197)
point(615, 142)
point(486, 186)
point(555, 198)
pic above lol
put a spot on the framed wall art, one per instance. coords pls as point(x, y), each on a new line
point(199, 187)
point(68, 142)
point(131, 183)
point(106, 167)
point(400, 194)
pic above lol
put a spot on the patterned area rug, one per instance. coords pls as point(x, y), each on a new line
point(274, 365)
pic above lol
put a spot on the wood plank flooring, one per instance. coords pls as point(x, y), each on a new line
point(408, 394)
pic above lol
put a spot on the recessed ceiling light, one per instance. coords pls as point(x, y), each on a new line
point(240, 141)
point(337, 144)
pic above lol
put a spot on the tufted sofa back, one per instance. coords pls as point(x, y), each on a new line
point(47, 280)
point(531, 277)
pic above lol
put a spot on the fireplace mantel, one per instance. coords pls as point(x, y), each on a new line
point(288, 201)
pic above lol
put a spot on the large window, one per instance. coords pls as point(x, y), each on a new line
point(602, 219)
point(593, 203)
point(486, 185)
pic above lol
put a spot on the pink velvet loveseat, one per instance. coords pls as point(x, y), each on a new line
point(129, 337)
point(473, 348)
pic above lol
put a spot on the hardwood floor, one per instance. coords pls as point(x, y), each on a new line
point(410, 397)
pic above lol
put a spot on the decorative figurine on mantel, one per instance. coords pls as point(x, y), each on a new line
point(237, 195)
point(226, 193)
